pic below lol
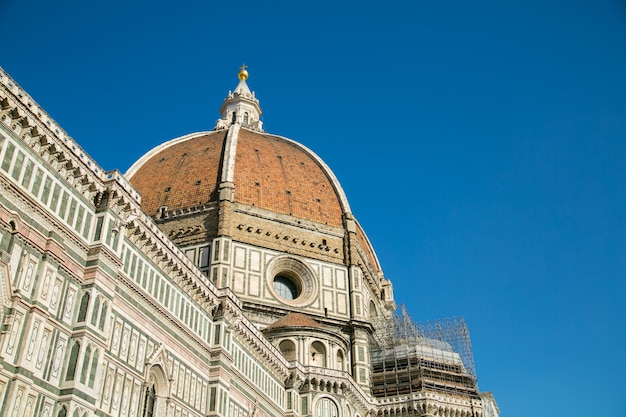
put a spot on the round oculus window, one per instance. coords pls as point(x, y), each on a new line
point(286, 287)
point(291, 281)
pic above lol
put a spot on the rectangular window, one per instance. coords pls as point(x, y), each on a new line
point(55, 197)
point(126, 261)
point(227, 341)
point(28, 173)
point(133, 265)
point(223, 402)
point(17, 168)
point(109, 233)
point(216, 340)
point(172, 300)
point(139, 271)
point(216, 253)
point(204, 257)
point(63, 205)
point(79, 219)
point(305, 405)
point(8, 157)
point(151, 282)
point(362, 375)
point(98, 233)
point(212, 399)
point(87, 226)
point(226, 250)
point(4, 239)
point(47, 186)
point(157, 287)
point(72, 212)
point(37, 182)
point(361, 354)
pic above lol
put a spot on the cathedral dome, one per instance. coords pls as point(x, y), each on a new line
point(269, 172)
point(239, 181)
point(266, 171)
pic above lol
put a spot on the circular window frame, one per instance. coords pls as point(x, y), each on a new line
point(301, 275)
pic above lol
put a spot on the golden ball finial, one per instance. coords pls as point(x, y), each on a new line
point(243, 74)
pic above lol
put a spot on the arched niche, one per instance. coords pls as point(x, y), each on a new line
point(340, 360)
point(372, 310)
point(288, 350)
point(317, 354)
point(325, 407)
point(155, 393)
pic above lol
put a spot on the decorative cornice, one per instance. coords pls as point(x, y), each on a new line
point(287, 238)
point(430, 404)
point(335, 381)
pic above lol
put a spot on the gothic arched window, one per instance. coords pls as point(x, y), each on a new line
point(84, 305)
point(94, 368)
point(71, 365)
point(94, 314)
point(150, 402)
point(103, 316)
point(85, 368)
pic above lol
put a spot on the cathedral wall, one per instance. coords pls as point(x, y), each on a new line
point(190, 226)
point(102, 315)
point(324, 285)
point(90, 320)
point(287, 234)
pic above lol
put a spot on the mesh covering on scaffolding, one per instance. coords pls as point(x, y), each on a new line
point(411, 357)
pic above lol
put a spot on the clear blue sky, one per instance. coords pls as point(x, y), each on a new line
point(482, 145)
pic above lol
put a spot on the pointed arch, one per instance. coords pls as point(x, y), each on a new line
point(103, 315)
point(71, 363)
point(84, 306)
point(156, 391)
point(85, 367)
point(95, 311)
point(94, 369)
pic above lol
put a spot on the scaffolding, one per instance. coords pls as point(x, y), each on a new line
point(412, 357)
